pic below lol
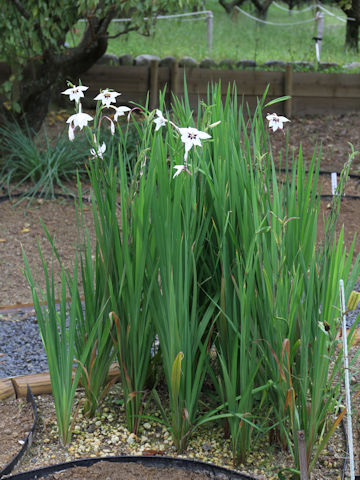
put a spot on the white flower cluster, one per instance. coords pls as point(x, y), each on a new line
point(81, 119)
point(190, 136)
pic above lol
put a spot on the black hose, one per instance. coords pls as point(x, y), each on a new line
point(323, 172)
point(4, 198)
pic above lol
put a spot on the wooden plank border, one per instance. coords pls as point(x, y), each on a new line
point(311, 92)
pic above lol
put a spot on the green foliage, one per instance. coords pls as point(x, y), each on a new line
point(58, 338)
point(41, 170)
point(34, 35)
point(121, 259)
point(239, 37)
point(220, 263)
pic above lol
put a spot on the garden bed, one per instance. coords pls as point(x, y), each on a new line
point(107, 435)
point(119, 441)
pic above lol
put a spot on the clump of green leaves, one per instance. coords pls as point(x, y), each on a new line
point(38, 168)
point(219, 261)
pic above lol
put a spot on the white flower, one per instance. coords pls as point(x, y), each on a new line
point(112, 125)
point(192, 136)
point(77, 120)
point(275, 121)
point(181, 168)
point(71, 133)
point(75, 92)
point(120, 111)
point(107, 97)
point(99, 151)
point(160, 121)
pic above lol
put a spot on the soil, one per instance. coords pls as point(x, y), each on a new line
point(126, 471)
point(16, 421)
point(20, 227)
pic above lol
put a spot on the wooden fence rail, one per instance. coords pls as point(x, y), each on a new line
point(311, 93)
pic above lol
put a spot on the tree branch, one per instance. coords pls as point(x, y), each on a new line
point(21, 9)
point(228, 6)
point(123, 32)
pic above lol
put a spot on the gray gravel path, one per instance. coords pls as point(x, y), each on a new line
point(21, 349)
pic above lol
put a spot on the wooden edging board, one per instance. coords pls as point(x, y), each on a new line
point(39, 383)
point(310, 92)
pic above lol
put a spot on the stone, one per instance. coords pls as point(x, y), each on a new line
point(108, 59)
point(188, 62)
point(352, 66)
point(114, 439)
point(167, 61)
point(245, 63)
point(299, 66)
point(327, 65)
point(126, 60)
point(91, 428)
point(208, 63)
point(206, 447)
point(131, 439)
point(275, 64)
point(227, 63)
point(145, 60)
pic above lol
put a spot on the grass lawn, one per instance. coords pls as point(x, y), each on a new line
point(241, 37)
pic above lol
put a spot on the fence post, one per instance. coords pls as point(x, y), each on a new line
point(210, 24)
point(154, 83)
point(288, 84)
point(319, 18)
point(174, 76)
point(302, 455)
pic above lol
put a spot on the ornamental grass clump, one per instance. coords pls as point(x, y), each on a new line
point(57, 327)
point(38, 171)
point(207, 269)
point(278, 290)
point(127, 275)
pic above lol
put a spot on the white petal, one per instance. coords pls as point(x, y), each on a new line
point(179, 169)
point(203, 135)
point(188, 145)
point(71, 132)
point(159, 122)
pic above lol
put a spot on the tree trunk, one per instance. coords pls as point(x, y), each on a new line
point(41, 75)
point(229, 6)
point(352, 26)
point(261, 8)
point(352, 35)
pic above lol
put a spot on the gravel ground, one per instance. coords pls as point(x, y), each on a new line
point(21, 349)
